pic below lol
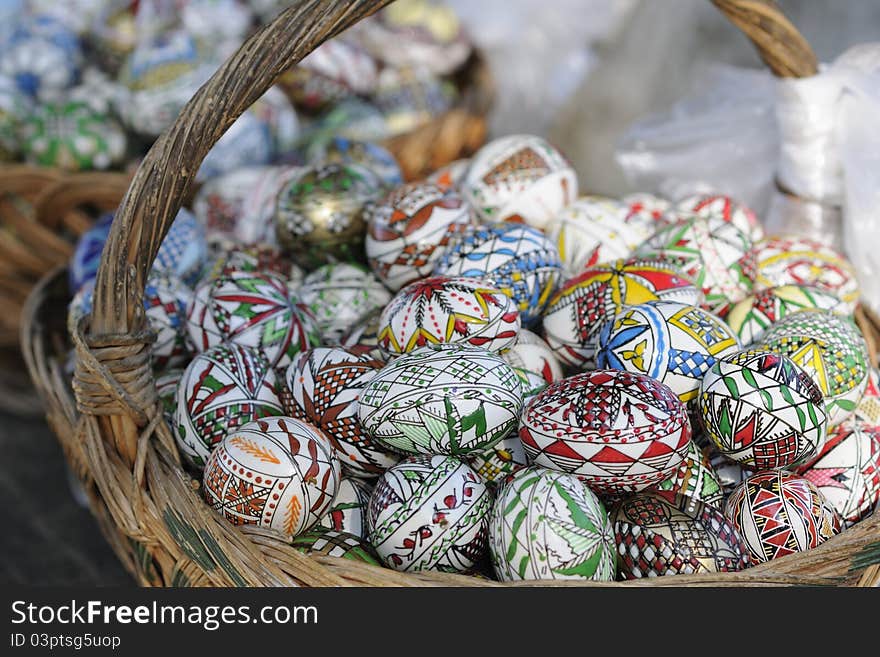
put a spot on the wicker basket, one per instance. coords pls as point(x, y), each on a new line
point(112, 428)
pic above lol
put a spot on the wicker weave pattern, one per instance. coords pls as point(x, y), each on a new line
point(148, 506)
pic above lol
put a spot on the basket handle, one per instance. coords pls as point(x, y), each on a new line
point(166, 173)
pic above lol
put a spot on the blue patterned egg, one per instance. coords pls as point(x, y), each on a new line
point(674, 343)
point(42, 55)
point(519, 260)
point(166, 299)
point(442, 399)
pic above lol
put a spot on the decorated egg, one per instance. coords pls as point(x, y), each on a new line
point(519, 178)
point(672, 342)
point(325, 385)
point(576, 312)
point(410, 97)
point(219, 203)
point(348, 513)
point(247, 143)
point(442, 399)
point(868, 409)
point(664, 533)
point(518, 260)
point(450, 176)
point(340, 150)
point(338, 295)
point(618, 431)
point(751, 317)
point(429, 513)
point(532, 354)
point(648, 212)
point(779, 513)
point(227, 257)
point(252, 309)
point(275, 110)
point(334, 70)
point(591, 231)
point(220, 390)
point(42, 55)
point(352, 118)
point(83, 266)
point(696, 478)
point(831, 350)
point(318, 213)
point(253, 222)
point(762, 410)
point(103, 94)
point(495, 463)
point(448, 310)
point(417, 33)
point(334, 543)
point(847, 469)
point(184, 250)
point(530, 383)
point(549, 525)
point(726, 208)
point(712, 252)
point(73, 136)
point(363, 338)
point(165, 300)
point(278, 472)
point(793, 260)
point(409, 229)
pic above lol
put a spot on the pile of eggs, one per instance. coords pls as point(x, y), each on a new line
point(85, 88)
point(488, 372)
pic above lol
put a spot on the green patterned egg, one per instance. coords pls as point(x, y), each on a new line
point(72, 136)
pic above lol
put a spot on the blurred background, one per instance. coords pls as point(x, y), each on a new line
point(581, 72)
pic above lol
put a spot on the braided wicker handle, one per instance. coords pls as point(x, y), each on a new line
point(166, 173)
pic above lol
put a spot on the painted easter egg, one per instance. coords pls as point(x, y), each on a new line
point(672, 342)
point(252, 309)
point(83, 266)
point(340, 294)
point(762, 410)
point(352, 118)
point(847, 469)
point(103, 94)
point(410, 97)
point(429, 513)
point(868, 409)
point(72, 136)
point(530, 383)
point(279, 472)
point(664, 533)
point(166, 299)
point(334, 70)
point(532, 354)
point(618, 431)
point(549, 525)
point(576, 312)
point(696, 478)
point(247, 143)
point(519, 178)
point(751, 317)
point(648, 212)
point(712, 252)
point(495, 463)
point(831, 350)
point(226, 256)
point(779, 513)
point(220, 390)
point(219, 202)
point(519, 260)
point(334, 543)
point(442, 399)
point(409, 229)
point(324, 386)
point(591, 231)
point(348, 513)
point(379, 160)
point(444, 309)
point(363, 338)
point(793, 260)
point(318, 213)
point(451, 175)
point(184, 250)
point(42, 55)
point(417, 33)
point(724, 207)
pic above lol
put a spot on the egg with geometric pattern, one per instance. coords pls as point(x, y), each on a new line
point(348, 513)
point(661, 533)
point(324, 386)
point(166, 298)
point(725, 207)
point(519, 178)
point(674, 343)
point(576, 313)
point(221, 389)
point(279, 472)
point(831, 350)
point(779, 513)
point(762, 410)
point(429, 513)
point(696, 478)
point(531, 353)
point(548, 525)
point(618, 431)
